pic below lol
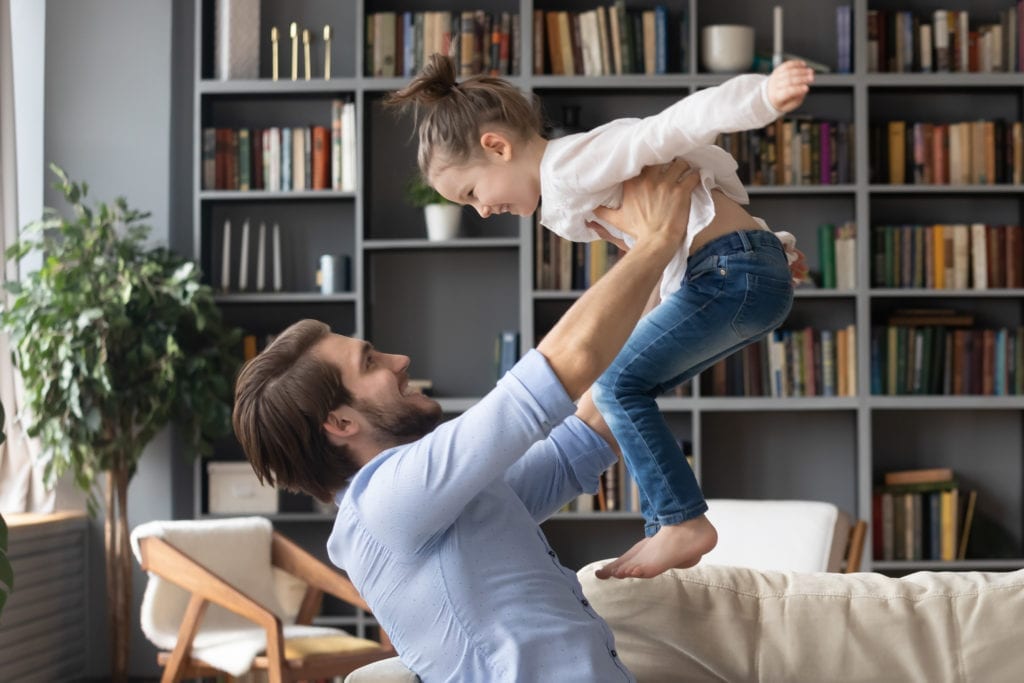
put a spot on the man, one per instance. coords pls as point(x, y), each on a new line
point(437, 526)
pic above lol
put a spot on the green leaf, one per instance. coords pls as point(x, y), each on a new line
point(106, 334)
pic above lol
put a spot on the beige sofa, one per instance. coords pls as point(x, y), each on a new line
point(719, 623)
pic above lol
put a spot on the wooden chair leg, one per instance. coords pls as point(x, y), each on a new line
point(189, 626)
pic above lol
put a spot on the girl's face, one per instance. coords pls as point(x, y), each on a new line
point(499, 182)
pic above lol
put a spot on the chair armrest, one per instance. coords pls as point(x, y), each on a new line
point(166, 561)
point(291, 558)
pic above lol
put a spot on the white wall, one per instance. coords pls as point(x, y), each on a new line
point(107, 120)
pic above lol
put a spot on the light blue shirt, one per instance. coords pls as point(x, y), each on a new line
point(441, 538)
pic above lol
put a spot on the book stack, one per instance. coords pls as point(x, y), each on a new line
point(790, 363)
point(982, 152)
point(606, 40)
point(793, 151)
point(944, 41)
point(283, 158)
point(565, 266)
point(921, 514)
point(937, 352)
point(480, 42)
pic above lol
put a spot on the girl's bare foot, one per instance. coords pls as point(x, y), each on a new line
point(677, 545)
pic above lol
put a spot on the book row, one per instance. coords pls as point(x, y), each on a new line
point(948, 256)
point(605, 41)
point(480, 42)
point(283, 158)
point(942, 360)
point(794, 151)
point(969, 152)
point(790, 363)
point(923, 521)
point(564, 265)
point(837, 255)
point(944, 40)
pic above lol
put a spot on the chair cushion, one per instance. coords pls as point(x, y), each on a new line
point(715, 623)
point(790, 535)
point(342, 643)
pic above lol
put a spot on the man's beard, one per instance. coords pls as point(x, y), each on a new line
point(401, 423)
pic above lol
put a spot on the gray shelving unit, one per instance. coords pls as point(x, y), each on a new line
point(443, 303)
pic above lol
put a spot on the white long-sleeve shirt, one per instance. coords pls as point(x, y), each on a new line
point(580, 172)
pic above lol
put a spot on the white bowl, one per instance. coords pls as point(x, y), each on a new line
point(727, 48)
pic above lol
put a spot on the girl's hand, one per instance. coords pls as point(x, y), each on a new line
point(789, 84)
point(798, 269)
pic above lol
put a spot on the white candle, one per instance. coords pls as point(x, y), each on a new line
point(225, 259)
point(277, 258)
point(777, 35)
point(243, 258)
point(261, 257)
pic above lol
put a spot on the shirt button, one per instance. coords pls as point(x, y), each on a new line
point(614, 653)
point(584, 602)
point(551, 553)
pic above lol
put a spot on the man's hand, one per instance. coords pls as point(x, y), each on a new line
point(789, 84)
point(655, 204)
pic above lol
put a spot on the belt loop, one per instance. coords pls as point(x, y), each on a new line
point(745, 240)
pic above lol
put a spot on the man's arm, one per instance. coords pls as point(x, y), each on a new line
point(584, 342)
point(566, 464)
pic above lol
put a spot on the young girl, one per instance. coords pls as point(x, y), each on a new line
point(480, 144)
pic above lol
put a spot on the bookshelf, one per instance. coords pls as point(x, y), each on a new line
point(444, 303)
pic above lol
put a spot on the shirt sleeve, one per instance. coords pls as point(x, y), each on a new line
point(554, 471)
point(619, 150)
point(411, 493)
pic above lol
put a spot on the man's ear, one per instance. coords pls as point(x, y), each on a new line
point(339, 423)
point(496, 144)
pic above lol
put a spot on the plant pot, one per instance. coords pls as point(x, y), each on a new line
point(442, 221)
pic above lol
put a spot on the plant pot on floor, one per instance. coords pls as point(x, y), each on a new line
point(442, 221)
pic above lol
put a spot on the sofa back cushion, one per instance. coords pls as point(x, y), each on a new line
point(718, 623)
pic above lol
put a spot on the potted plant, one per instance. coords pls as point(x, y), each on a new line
point(114, 339)
point(442, 216)
point(6, 571)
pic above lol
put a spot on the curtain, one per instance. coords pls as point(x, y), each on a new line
point(21, 488)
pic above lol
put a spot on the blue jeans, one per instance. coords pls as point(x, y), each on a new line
point(736, 290)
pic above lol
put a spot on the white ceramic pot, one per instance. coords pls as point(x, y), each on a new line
point(442, 221)
point(727, 48)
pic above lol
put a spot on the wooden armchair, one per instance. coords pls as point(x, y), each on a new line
point(324, 653)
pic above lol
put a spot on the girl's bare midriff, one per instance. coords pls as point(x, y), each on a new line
point(729, 217)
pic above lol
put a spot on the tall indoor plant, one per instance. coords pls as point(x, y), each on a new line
point(114, 340)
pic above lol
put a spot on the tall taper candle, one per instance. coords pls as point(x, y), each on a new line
point(277, 258)
point(261, 257)
point(225, 259)
point(777, 36)
point(243, 258)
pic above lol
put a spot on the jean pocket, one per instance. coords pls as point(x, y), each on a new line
point(766, 303)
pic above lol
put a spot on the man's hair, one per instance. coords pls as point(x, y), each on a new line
point(450, 115)
point(282, 398)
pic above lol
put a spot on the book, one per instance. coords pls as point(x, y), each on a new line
point(919, 476)
point(968, 519)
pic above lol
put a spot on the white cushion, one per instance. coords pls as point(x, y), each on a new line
point(791, 535)
point(717, 623)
